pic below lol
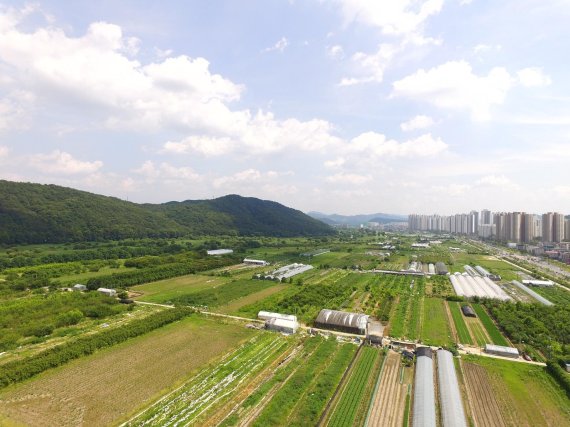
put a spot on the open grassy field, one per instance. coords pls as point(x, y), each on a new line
point(111, 384)
point(165, 291)
point(490, 327)
point(463, 334)
point(233, 306)
point(435, 325)
point(494, 265)
point(526, 395)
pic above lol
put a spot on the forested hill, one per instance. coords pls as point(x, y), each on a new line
point(36, 213)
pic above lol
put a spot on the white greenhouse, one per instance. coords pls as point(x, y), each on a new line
point(500, 350)
point(452, 412)
point(281, 325)
point(424, 396)
point(266, 315)
point(533, 294)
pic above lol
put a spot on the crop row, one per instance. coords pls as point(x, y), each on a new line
point(302, 398)
point(352, 397)
point(211, 385)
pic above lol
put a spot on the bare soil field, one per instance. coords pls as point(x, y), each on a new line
point(100, 389)
point(390, 398)
point(481, 396)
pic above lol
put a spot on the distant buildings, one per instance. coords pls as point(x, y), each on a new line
point(514, 227)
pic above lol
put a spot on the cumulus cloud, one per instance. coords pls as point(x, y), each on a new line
point(453, 85)
point(165, 171)
point(417, 122)
point(335, 52)
point(348, 178)
point(336, 163)
point(60, 162)
point(280, 45)
point(500, 181)
point(533, 77)
point(4, 151)
point(376, 144)
point(394, 17)
point(266, 184)
point(371, 67)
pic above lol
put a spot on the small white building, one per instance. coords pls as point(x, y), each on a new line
point(500, 350)
point(108, 292)
point(220, 251)
point(79, 287)
point(255, 261)
point(541, 283)
point(266, 315)
point(281, 325)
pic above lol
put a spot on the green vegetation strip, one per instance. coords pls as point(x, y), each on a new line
point(352, 397)
point(435, 327)
point(462, 332)
point(210, 386)
point(223, 294)
point(23, 369)
point(283, 406)
point(487, 322)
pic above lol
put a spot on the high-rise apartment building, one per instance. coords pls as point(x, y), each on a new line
point(557, 227)
point(486, 217)
point(547, 220)
point(567, 230)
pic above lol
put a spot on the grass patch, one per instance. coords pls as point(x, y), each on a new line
point(165, 291)
point(435, 327)
point(487, 322)
point(463, 334)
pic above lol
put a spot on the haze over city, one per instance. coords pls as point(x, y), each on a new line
point(346, 106)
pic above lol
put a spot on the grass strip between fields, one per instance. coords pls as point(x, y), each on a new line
point(462, 332)
point(487, 322)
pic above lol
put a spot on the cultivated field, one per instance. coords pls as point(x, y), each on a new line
point(388, 405)
point(504, 393)
point(435, 325)
point(490, 327)
point(352, 405)
point(165, 291)
point(97, 390)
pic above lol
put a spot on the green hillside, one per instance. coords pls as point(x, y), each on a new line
point(36, 213)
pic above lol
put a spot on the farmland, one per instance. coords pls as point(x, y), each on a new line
point(490, 327)
point(507, 393)
point(355, 396)
point(463, 334)
point(86, 391)
point(435, 325)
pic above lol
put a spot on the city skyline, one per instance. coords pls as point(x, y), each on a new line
point(339, 106)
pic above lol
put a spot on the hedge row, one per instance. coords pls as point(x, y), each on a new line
point(20, 370)
point(561, 376)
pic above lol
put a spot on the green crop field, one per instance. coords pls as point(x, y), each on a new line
point(463, 334)
point(487, 322)
point(435, 326)
point(165, 291)
point(352, 405)
point(526, 394)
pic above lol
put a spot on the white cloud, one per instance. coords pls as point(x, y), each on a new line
point(500, 181)
point(280, 45)
point(375, 144)
point(166, 172)
point(209, 146)
point(4, 151)
point(335, 52)
point(348, 178)
point(394, 17)
point(60, 162)
point(417, 122)
point(251, 178)
point(533, 77)
point(453, 85)
point(370, 68)
point(338, 162)
point(483, 48)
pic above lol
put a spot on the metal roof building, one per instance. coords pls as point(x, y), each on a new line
point(533, 294)
point(220, 251)
point(538, 282)
point(343, 321)
point(424, 396)
point(451, 406)
point(440, 268)
point(374, 332)
point(500, 350)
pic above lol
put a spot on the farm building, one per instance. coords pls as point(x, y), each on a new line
point(431, 268)
point(79, 287)
point(374, 332)
point(500, 350)
point(468, 311)
point(452, 412)
point(541, 283)
point(108, 292)
point(281, 325)
point(342, 321)
point(255, 261)
point(266, 315)
point(288, 271)
point(533, 294)
point(424, 396)
point(220, 252)
point(441, 268)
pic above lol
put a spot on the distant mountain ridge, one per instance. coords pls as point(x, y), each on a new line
point(355, 220)
point(38, 213)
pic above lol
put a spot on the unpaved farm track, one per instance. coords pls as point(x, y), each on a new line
point(484, 405)
point(390, 398)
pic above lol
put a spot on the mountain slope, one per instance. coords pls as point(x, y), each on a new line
point(36, 213)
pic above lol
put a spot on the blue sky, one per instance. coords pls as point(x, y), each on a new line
point(345, 106)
